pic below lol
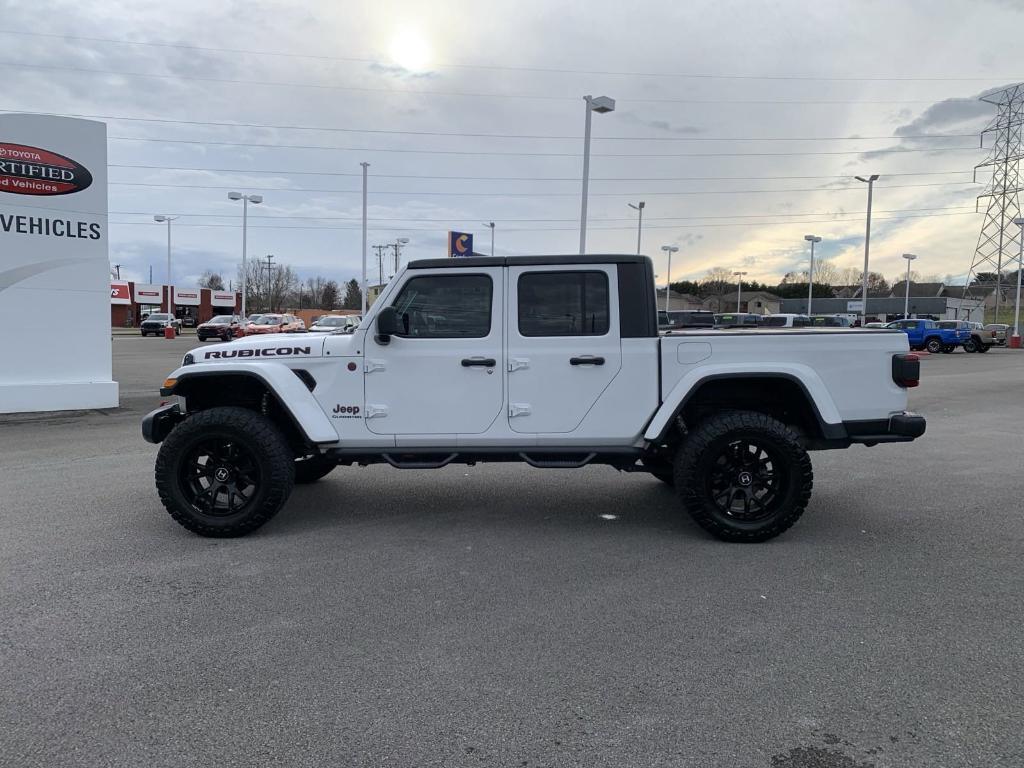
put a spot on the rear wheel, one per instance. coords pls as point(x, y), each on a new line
point(971, 345)
point(224, 472)
point(933, 345)
point(743, 476)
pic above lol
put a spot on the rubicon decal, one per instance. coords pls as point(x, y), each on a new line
point(224, 354)
point(26, 170)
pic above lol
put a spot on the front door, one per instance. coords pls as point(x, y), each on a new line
point(563, 344)
point(442, 375)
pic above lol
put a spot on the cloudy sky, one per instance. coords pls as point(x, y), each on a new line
point(739, 124)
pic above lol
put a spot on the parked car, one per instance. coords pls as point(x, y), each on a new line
point(926, 334)
point(677, 319)
point(223, 327)
point(737, 320)
point(157, 321)
point(1000, 332)
point(188, 321)
point(335, 324)
point(834, 321)
point(963, 331)
point(274, 323)
point(785, 320)
point(982, 339)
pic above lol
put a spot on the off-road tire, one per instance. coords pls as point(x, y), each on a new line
point(972, 345)
point(257, 438)
point(933, 345)
point(696, 467)
point(309, 469)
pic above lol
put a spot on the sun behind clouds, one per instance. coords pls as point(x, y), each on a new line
point(411, 51)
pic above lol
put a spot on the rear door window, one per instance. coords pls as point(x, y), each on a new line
point(563, 303)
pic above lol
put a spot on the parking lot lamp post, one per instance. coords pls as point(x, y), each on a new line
point(739, 288)
point(599, 104)
point(870, 181)
point(812, 239)
point(906, 299)
point(1020, 264)
point(246, 199)
point(161, 218)
point(669, 249)
point(639, 208)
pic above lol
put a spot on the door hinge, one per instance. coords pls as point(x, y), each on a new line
point(376, 411)
point(518, 409)
point(374, 365)
point(518, 362)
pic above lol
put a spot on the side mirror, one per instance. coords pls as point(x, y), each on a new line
point(387, 325)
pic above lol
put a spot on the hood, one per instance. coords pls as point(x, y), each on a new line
point(271, 346)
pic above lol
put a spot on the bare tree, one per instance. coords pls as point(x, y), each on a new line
point(825, 272)
point(211, 280)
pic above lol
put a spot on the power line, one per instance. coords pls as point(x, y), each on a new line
point(471, 193)
point(458, 134)
point(534, 154)
point(456, 65)
point(546, 229)
point(420, 92)
point(574, 179)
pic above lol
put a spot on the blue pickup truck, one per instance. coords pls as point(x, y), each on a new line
point(926, 334)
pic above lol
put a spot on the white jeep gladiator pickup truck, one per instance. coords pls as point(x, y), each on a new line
point(554, 361)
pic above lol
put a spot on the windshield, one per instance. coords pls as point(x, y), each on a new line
point(270, 320)
point(774, 321)
point(332, 322)
point(159, 316)
point(221, 320)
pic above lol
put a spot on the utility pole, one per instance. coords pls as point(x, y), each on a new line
point(380, 264)
point(117, 268)
point(150, 274)
point(269, 267)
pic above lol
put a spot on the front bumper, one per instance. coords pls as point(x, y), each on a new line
point(898, 428)
point(156, 425)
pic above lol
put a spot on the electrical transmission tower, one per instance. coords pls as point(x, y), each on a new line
point(999, 241)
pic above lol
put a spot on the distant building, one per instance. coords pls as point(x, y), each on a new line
point(678, 300)
point(372, 292)
point(755, 302)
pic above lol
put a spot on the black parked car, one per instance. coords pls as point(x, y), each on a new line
point(223, 327)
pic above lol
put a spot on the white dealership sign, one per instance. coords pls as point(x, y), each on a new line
point(186, 297)
point(222, 299)
point(146, 293)
point(53, 241)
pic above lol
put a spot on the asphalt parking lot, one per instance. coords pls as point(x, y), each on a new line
point(505, 616)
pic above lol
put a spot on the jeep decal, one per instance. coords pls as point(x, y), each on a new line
point(218, 354)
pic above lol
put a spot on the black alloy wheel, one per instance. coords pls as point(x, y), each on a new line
point(219, 476)
point(743, 481)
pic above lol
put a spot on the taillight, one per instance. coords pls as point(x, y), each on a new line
point(906, 370)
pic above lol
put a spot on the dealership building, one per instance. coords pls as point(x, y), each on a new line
point(129, 302)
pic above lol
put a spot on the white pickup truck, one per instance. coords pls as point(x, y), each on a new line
point(553, 361)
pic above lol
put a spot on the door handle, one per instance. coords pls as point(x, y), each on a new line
point(483, 362)
point(587, 360)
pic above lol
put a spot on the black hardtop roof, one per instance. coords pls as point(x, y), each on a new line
point(527, 261)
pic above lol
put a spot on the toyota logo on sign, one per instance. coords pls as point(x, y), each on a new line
point(26, 170)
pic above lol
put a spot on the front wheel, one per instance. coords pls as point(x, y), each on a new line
point(743, 476)
point(224, 472)
point(971, 345)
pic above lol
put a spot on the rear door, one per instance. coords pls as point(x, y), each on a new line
point(442, 375)
point(563, 344)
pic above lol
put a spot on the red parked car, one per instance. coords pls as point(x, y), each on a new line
point(223, 327)
point(273, 323)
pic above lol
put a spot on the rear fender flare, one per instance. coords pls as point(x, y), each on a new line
point(803, 376)
point(281, 381)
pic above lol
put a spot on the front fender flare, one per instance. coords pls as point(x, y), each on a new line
point(804, 376)
point(281, 381)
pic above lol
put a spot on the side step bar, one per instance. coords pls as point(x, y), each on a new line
point(549, 462)
point(444, 461)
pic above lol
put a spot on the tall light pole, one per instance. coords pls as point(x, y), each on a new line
point(906, 299)
point(1020, 264)
point(870, 181)
point(161, 218)
point(669, 249)
point(812, 239)
point(599, 104)
point(246, 199)
point(639, 208)
point(490, 224)
point(739, 288)
point(363, 286)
